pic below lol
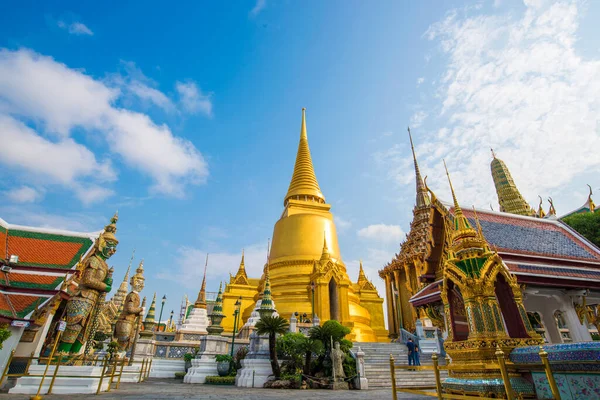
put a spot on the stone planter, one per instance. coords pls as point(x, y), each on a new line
point(223, 368)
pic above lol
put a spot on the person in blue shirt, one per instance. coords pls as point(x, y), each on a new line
point(411, 352)
point(416, 357)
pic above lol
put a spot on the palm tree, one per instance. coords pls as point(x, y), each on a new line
point(269, 325)
point(310, 346)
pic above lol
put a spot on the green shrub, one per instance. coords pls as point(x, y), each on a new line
point(4, 333)
point(595, 336)
point(223, 358)
point(179, 375)
point(188, 357)
point(112, 348)
point(220, 380)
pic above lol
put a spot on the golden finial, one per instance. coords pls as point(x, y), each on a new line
point(552, 210)
point(591, 204)
point(325, 254)
point(126, 278)
point(541, 213)
point(493, 154)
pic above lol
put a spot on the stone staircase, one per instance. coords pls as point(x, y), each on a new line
point(377, 366)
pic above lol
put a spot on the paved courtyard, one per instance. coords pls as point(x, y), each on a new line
point(159, 389)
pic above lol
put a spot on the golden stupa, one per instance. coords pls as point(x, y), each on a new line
point(305, 256)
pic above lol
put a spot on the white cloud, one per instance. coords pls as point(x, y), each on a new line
point(151, 94)
point(24, 194)
point(515, 83)
point(190, 263)
point(341, 223)
point(258, 7)
point(192, 99)
point(75, 28)
point(30, 215)
point(382, 233)
point(57, 99)
point(418, 118)
point(420, 81)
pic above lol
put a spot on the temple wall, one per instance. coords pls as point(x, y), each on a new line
point(546, 302)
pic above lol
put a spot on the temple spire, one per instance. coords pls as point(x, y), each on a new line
point(509, 197)
point(464, 236)
point(304, 185)
point(422, 196)
point(201, 300)
point(460, 221)
point(241, 278)
point(361, 275)
point(151, 310)
point(325, 253)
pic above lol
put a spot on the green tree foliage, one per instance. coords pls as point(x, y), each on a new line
point(4, 334)
point(587, 224)
point(298, 350)
point(330, 333)
point(273, 326)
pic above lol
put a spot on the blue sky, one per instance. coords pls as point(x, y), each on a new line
point(186, 118)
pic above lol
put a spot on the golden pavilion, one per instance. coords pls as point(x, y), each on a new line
point(305, 264)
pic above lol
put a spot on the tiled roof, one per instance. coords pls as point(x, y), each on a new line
point(19, 305)
point(428, 294)
point(39, 281)
point(554, 272)
point(38, 249)
point(533, 236)
point(47, 250)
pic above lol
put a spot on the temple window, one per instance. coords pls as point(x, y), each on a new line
point(562, 326)
point(535, 319)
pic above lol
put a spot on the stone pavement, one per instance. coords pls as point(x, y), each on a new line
point(163, 389)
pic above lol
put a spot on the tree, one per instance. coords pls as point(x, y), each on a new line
point(298, 350)
point(272, 326)
point(310, 346)
point(4, 333)
point(330, 331)
point(587, 224)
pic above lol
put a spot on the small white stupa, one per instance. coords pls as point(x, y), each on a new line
point(195, 324)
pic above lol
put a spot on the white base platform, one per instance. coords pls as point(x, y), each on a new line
point(166, 368)
point(84, 385)
point(131, 374)
point(201, 368)
point(254, 373)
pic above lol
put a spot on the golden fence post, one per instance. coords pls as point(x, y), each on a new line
point(507, 385)
point(112, 373)
point(393, 374)
point(10, 357)
point(54, 375)
point(28, 363)
point(141, 370)
point(104, 361)
point(549, 375)
point(121, 372)
point(149, 369)
point(48, 362)
point(438, 382)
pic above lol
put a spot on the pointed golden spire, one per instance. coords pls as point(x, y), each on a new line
point(201, 300)
point(422, 196)
point(461, 223)
point(325, 253)
point(361, 275)
point(509, 197)
point(241, 278)
point(304, 183)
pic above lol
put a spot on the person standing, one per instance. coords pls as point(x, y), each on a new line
point(411, 352)
point(416, 356)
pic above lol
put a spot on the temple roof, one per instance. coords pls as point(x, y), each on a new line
point(304, 181)
point(533, 236)
point(44, 257)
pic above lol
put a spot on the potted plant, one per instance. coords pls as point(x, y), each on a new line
point(111, 349)
point(223, 364)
